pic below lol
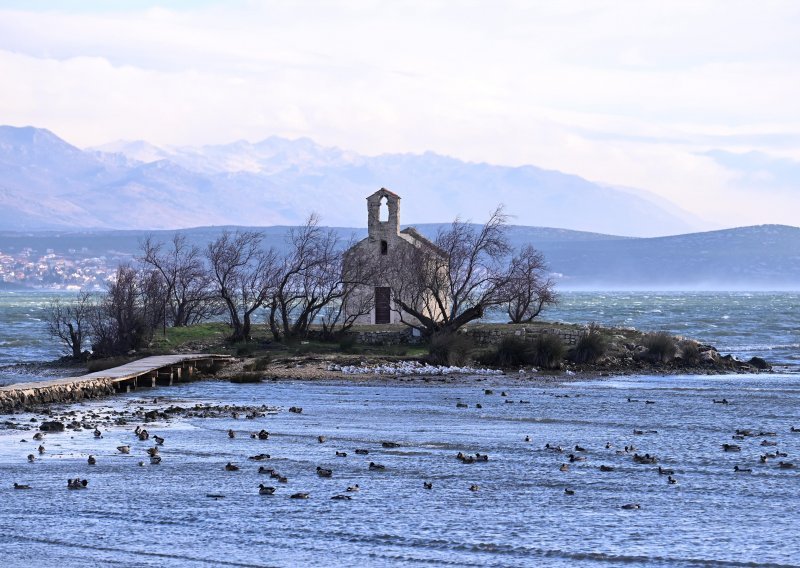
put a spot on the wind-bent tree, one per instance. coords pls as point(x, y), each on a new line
point(445, 287)
point(243, 276)
point(309, 279)
point(528, 288)
point(187, 283)
point(68, 321)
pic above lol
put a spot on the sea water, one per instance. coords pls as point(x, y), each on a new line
point(156, 515)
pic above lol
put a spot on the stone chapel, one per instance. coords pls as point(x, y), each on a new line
point(383, 239)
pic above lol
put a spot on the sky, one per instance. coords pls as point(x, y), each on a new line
point(697, 102)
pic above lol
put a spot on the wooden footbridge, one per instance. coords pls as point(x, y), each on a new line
point(147, 372)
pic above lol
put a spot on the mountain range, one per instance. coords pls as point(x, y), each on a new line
point(48, 184)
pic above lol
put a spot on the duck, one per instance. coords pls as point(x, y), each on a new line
point(638, 432)
point(608, 445)
point(662, 471)
point(785, 465)
point(321, 439)
point(155, 460)
point(631, 506)
point(362, 452)
point(21, 486)
point(341, 498)
point(564, 467)
point(262, 469)
point(231, 434)
point(376, 466)
point(282, 479)
point(462, 405)
point(296, 409)
point(92, 460)
point(152, 451)
point(40, 449)
point(299, 496)
point(124, 449)
point(527, 438)
point(265, 490)
point(260, 457)
point(427, 485)
point(474, 487)
point(322, 472)
point(722, 401)
point(645, 459)
point(97, 433)
point(481, 457)
point(390, 444)
point(791, 429)
point(263, 435)
point(231, 467)
point(159, 440)
point(31, 458)
point(143, 435)
point(341, 454)
point(488, 391)
point(738, 469)
point(547, 446)
point(353, 488)
point(569, 491)
point(77, 483)
point(579, 448)
point(769, 443)
point(671, 480)
point(731, 448)
point(38, 436)
point(606, 468)
point(573, 458)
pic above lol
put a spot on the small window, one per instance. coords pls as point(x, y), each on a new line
point(384, 247)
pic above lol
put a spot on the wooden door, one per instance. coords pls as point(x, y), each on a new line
point(382, 307)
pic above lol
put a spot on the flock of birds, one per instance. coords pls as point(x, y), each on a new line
point(576, 454)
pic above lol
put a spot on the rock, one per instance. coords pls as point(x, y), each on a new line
point(52, 426)
point(759, 363)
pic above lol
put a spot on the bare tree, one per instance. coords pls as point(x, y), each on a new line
point(443, 289)
point(356, 295)
point(243, 276)
point(186, 280)
point(123, 319)
point(309, 279)
point(528, 287)
point(69, 321)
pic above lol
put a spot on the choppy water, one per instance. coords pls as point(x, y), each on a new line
point(160, 515)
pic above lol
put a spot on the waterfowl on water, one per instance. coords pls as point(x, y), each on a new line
point(296, 409)
point(645, 459)
point(321, 439)
point(77, 483)
point(92, 460)
point(38, 436)
point(791, 429)
point(731, 448)
point(263, 435)
point(481, 457)
point(265, 490)
point(390, 444)
point(124, 449)
point(569, 491)
point(564, 467)
point(31, 458)
point(427, 485)
point(231, 434)
point(662, 471)
point(462, 405)
point(785, 465)
point(362, 452)
point(159, 440)
point(579, 448)
point(21, 486)
point(353, 488)
point(155, 460)
point(299, 496)
point(527, 438)
point(723, 401)
point(608, 445)
point(262, 469)
point(630, 506)
point(547, 446)
point(143, 434)
point(573, 458)
point(606, 468)
point(637, 432)
point(341, 498)
point(341, 454)
point(259, 457)
point(322, 472)
point(97, 433)
point(671, 480)
point(376, 466)
point(769, 443)
point(152, 451)
point(231, 467)
point(40, 449)
point(738, 469)
point(282, 479)
point(474, 487)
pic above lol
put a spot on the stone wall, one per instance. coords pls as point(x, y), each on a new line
point(492, 335)
point(14, 397)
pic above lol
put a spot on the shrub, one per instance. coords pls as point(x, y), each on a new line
point(514, 352)
point(246, 349)
point(449, 349)
point(548, 350)
point(347, 343)
point(590, 347)
point(690, 352)
point(660, 347)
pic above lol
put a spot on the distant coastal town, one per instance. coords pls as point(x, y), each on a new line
point(77, 269)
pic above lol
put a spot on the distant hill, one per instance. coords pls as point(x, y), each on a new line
point(764, 257)
point(46, 183)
